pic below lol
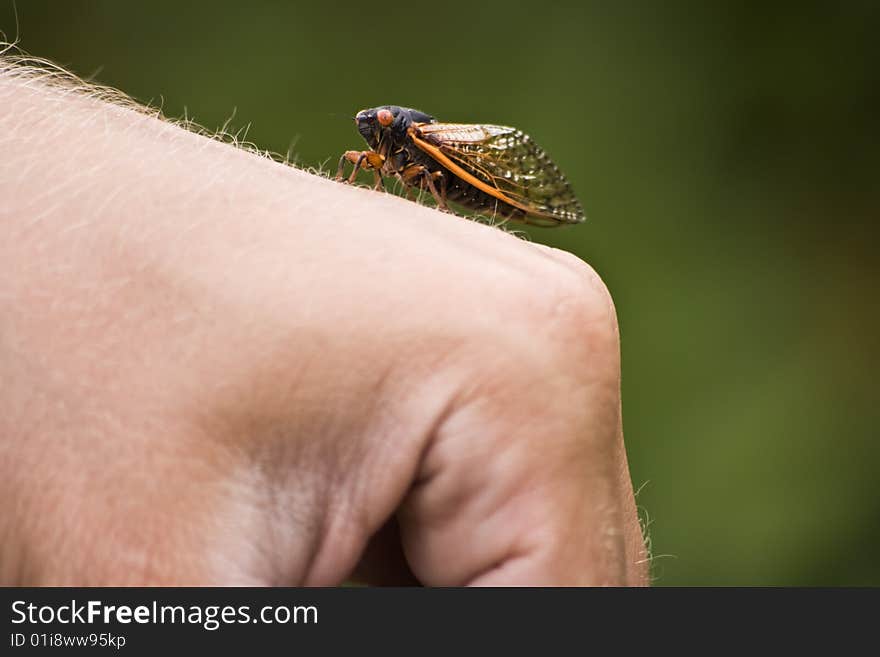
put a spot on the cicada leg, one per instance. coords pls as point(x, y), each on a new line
point(442, 178)
point(439, 197)
point(426, 178)
point(347, 155)
point(361, 159)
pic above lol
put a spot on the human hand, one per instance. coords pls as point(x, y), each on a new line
point(217, 369)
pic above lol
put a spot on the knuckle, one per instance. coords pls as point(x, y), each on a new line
point(545, 327)
point(559, 331)
point(577, 305)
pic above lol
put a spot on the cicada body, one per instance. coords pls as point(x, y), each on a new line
point(487, 169)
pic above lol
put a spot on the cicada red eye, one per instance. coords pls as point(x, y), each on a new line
point(384, 117)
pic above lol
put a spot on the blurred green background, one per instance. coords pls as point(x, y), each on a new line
point(728, 158)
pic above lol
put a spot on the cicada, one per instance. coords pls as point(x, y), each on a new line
point(489, 169)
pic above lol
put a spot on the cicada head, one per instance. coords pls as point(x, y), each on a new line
point(388, 123)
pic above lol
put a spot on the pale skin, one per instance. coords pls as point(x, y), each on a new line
point(219, 370)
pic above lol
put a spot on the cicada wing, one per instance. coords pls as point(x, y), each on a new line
point(507, 160)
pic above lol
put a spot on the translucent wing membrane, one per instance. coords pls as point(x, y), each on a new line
point(510, 162)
